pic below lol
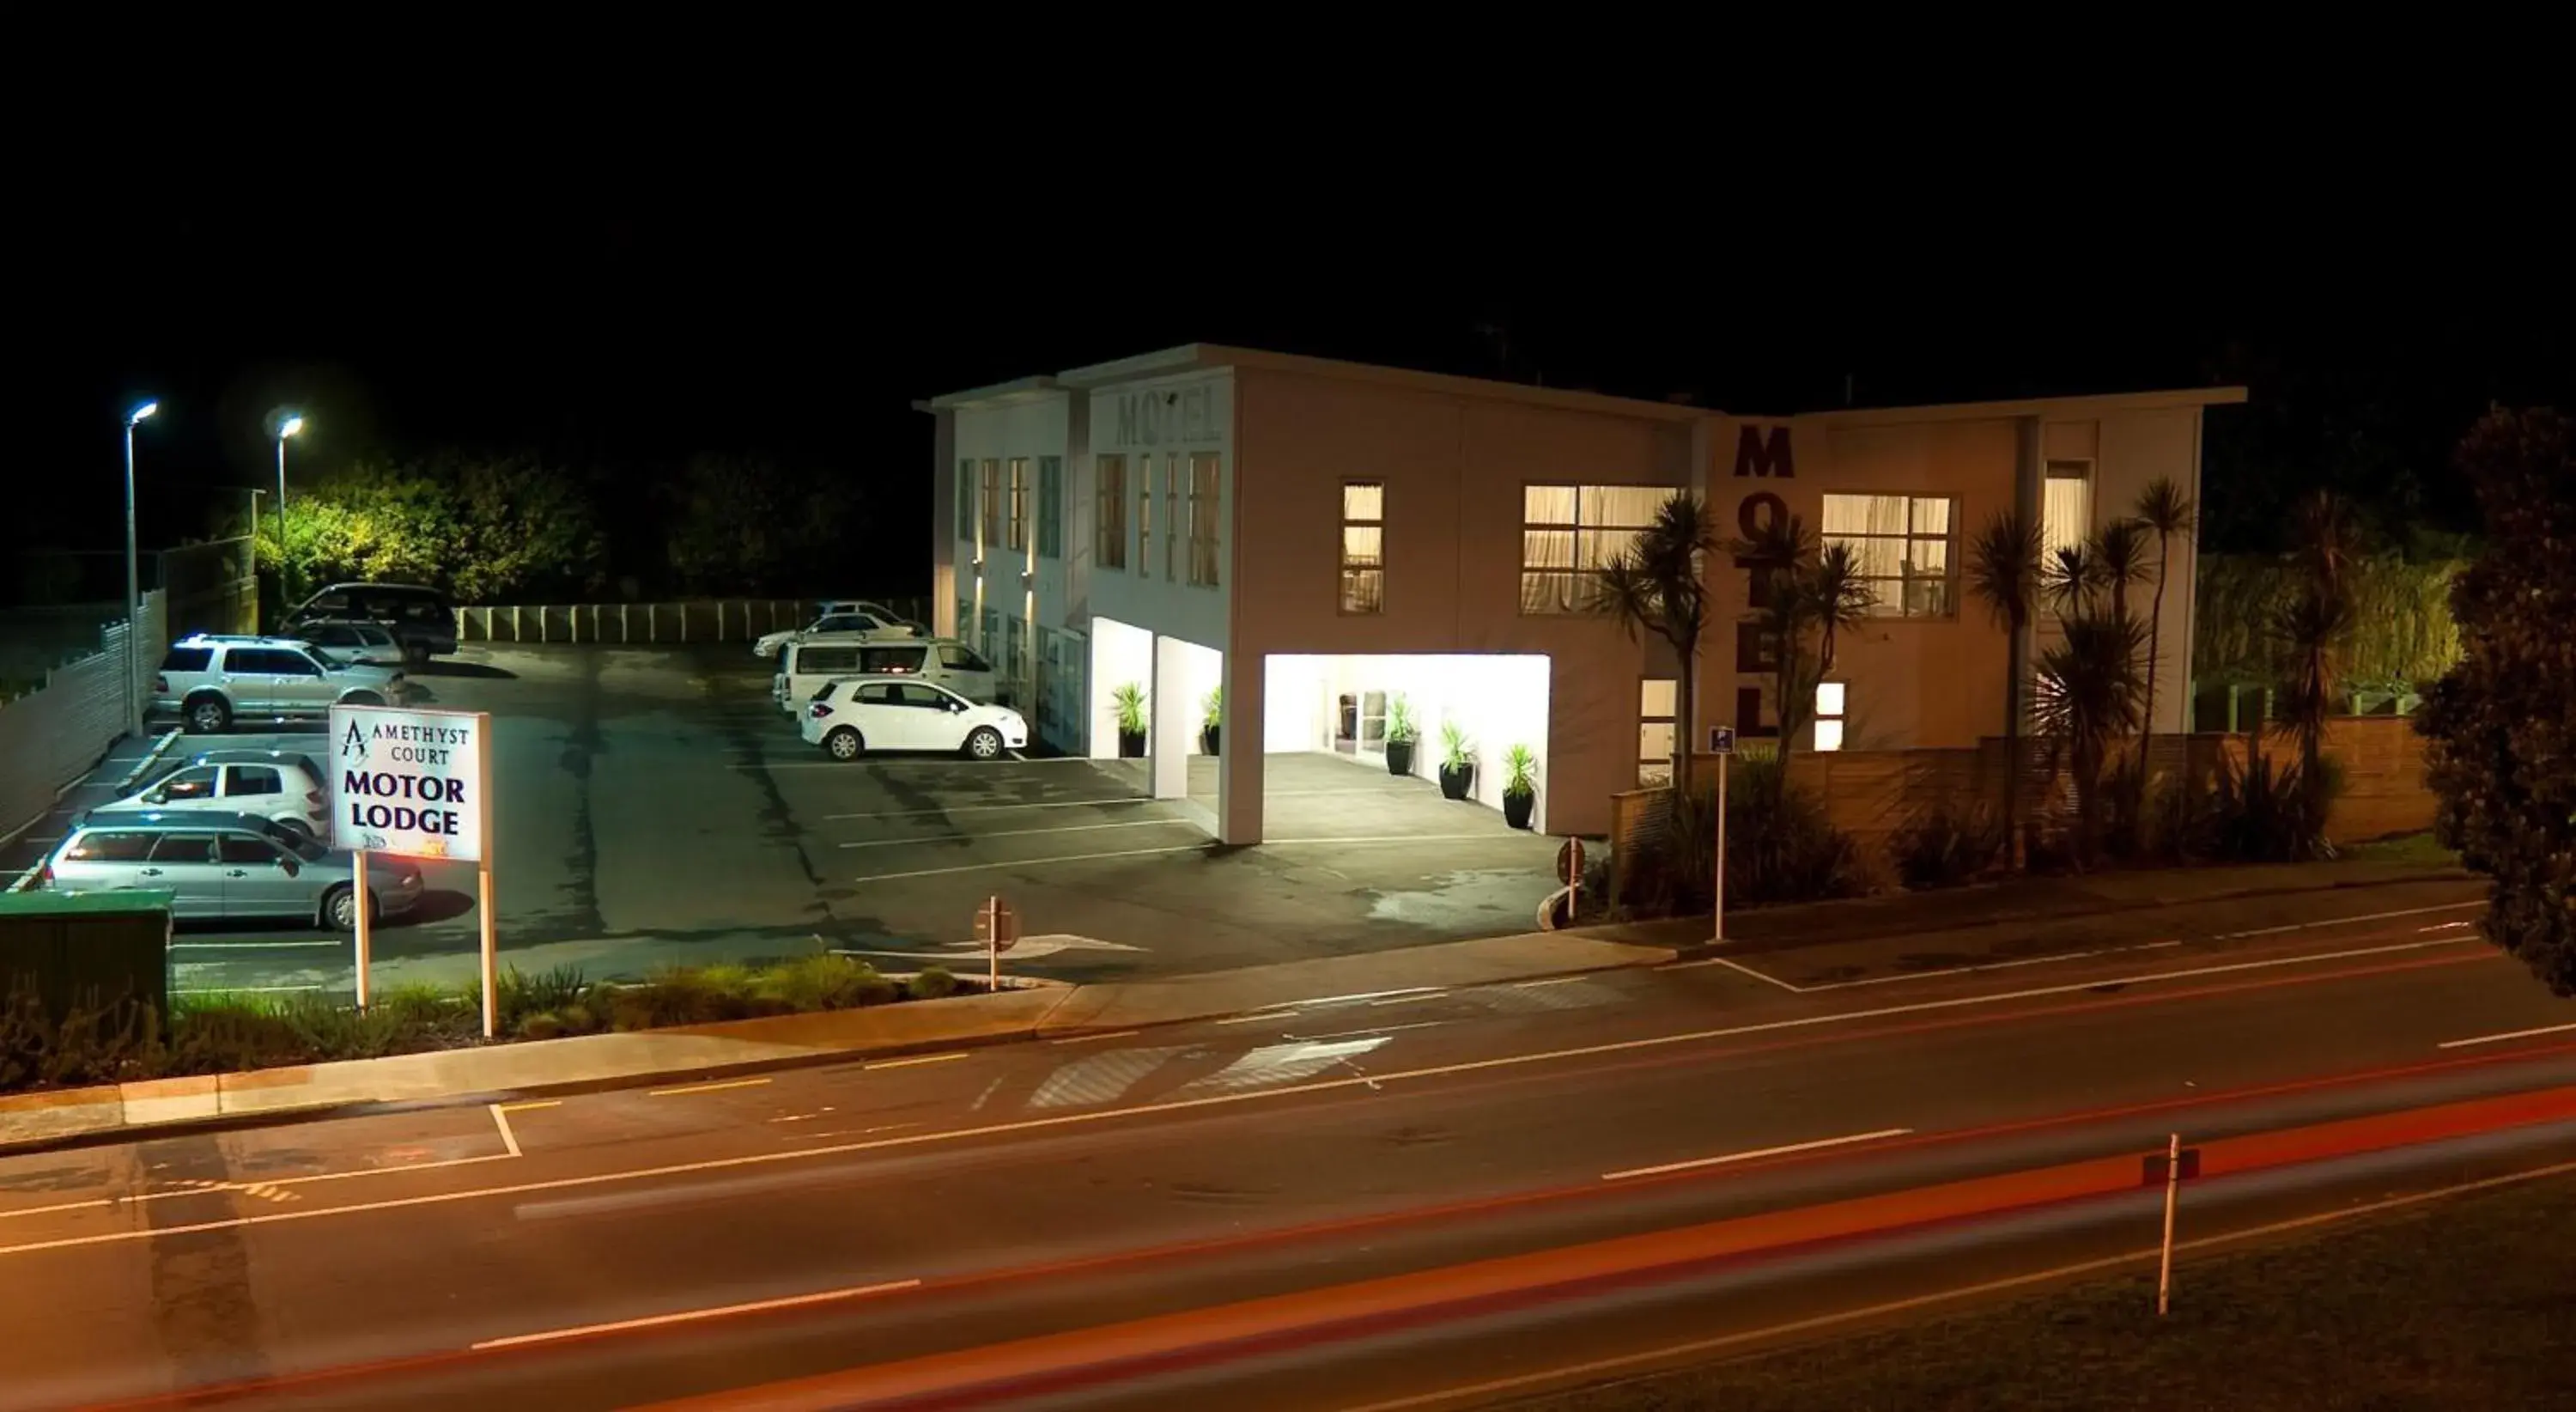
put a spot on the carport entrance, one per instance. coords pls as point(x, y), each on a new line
point(1176, 683)
point(1328, 723)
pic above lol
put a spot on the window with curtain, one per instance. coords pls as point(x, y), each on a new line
point(1569, 532)
point(1658, 704)
point(1902, 545)
point(2066, 505)
point(1109, 548)
point(1017, 525)
point(992, 505)
point(1206, 491)
point(1145, 515)
point(1051, 507)
point(1173, 525)
point(1363, 546)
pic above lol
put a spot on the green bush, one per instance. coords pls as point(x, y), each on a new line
point(1948, 845)
point(544, 1024)
point(825, 982)
point(2260, 814)
point(934, 983)
point(88, 1045)
point(1780, 847)
point(579, 1019)
point(519, 995)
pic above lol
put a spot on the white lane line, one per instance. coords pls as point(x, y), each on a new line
point(1282, 1015)
point(251, 990)
point(1552, 980)
point(917, 1059)
point(1495, 836)
point(501, 1120)
point(531, 1103)
point(703, 1088)
point(1484, 1391)
point(2501, 1038)
point(1737, 967)
point(1169, 1105)
point(938, 840)
point(249, 945)
point(1983, 966)
point(1032, 862)
point(992, 808)
point(2347, 921)
point(1088, 1038)
point(1411, 999)
point(1759, 1152)
point(222, 1188)
point(654, 1321)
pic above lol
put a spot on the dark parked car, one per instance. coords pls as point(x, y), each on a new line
point(421, 619)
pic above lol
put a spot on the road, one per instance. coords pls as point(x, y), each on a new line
point(1202, 1201)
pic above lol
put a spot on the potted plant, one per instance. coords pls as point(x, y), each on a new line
point(1215, 717)
point(1401, 732)
point(1520, 786)
point(1457, 764)
point(1129, 701)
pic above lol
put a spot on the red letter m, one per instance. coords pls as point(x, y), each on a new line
point(1757, 456)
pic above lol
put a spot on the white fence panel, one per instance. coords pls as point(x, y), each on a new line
point(54, 734)
point(670, 624)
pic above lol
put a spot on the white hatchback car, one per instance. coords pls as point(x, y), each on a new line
point(853, 624)
point(270, 784)
point(851, 716)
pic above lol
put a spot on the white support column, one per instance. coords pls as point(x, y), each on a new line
point(1239, 768)
point(1175, 720)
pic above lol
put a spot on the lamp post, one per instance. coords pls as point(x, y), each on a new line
point(287, 426)
point(133, 581)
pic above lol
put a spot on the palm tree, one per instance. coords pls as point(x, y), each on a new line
point(2118, 552)
point(2313, 626)
point(2167, 512)
point(2004, 563)
point(1837, 598)
point(2068, 578)
point(2088, 697)
point(1780, 554)
point(1657, 585)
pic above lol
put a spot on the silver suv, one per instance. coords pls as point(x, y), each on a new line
point(225, 865)
point(210, 681)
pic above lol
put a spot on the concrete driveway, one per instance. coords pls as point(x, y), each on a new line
point(654, 806)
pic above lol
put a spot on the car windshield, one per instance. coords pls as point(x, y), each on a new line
point(323, 656)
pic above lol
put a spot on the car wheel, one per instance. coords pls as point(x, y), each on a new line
point(340, 909)
point(362, 698)
point(417, 654)
point(209, 714)
point(844, 744)
point(296, 826)
point(985, 743)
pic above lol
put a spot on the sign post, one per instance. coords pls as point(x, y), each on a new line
point(1721, 743)
point(2169, 1167)
point(998, 927)
point(415, 784)
point(1569, 871)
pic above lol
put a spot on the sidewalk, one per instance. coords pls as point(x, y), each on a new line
point(500, 1071)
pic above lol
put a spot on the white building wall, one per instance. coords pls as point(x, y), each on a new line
point(2136, 448)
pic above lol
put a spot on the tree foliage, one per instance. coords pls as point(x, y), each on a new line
point(745, 524)
point(2502, 724)
point(485, 528)
point(1659, 584)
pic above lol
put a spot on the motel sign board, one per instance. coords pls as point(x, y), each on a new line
point(411, 783)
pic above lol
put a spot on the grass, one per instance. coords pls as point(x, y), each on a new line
point(2416, 849)
point(2464, 1303)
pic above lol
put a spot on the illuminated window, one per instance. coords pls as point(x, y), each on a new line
point(1363, 546)
point(1110, 548)
point(1206, 492)
point(1657, 702)
point(992, 507)
point(1902, 545)
point(1829, 715)
point(1570, 531)
point(2066, 505)
point(1018, 522)
point(1173, 528)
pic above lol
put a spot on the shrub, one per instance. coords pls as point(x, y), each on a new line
point(1947, 845)
point(934, 983)
point(825, 982)
point(579, 1019)
point(544, 1024)
point(88, 1044)
point(2260, 814)
point(1781, 847)
point(519, 995)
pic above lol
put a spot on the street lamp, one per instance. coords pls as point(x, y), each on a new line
point(287, 426)
point(133, 581)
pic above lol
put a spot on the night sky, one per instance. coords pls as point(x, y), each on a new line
point(626, 329)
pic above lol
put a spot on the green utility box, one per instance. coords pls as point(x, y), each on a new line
point(86, 951)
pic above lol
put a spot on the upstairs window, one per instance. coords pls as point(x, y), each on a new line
point(1051, 507)
point(1017, 524)
point(1363, 546)
point(1206, 501)
point(1111, 547)
point(992, 507)
point(966, 500)
point(1570, 532)
point(1902, 545)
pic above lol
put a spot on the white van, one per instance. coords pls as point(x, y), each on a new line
point(804, 667)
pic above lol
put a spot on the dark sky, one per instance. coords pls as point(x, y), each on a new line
point(631, 325)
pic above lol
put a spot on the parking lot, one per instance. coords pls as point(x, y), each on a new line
point(654, 806)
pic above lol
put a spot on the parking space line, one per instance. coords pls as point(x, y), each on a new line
point(501, 1120)
point(1401, 838)
point(1020, 833)
point(1030, 862)
point(991, 808)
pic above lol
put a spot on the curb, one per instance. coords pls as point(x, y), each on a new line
point(150, 758)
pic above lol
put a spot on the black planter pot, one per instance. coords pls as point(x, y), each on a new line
point(1399, 757)
point(1207, 739)
point(1517, 807)
point(1131, 747)
point(1455, 783)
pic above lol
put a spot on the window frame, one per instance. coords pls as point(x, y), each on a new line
point(1109, 506)
point(1663, 761)
point(1343, 556)
point(1015, 517)
point(1050, 507)
point(1839, 719)
point(988, 506)
point(1578, 573)
point(1145, 516)
point(966, 498)
point(1206, 539)
point(1948, 539)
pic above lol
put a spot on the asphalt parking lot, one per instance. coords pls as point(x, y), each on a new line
point(654, 806)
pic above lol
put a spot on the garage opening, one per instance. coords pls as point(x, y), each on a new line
point(1170, 687)
point(1331, 726)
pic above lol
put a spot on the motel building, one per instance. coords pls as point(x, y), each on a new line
point(1313, 540)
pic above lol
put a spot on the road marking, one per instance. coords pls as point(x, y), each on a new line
point(247, 945)
point(251, 990)
point(501, 1120)
point(2343, 921)
point(1033, 862)
point(1552, 980)
point(1737, 967)
point(1497, 835)
point(2501, 1038)
point(757, 1306)
point(917, 1059)
point(1585, 1371)
point(1088, 1038)
point(991, 808)
point(1172, 1105)
point(1020, 833)
point(1410, 999)
point(1755, 1154)
point(531, 1104)
point(1967, 970)
point(221, 1188)
point(704, 1088)
point(1263, 1015)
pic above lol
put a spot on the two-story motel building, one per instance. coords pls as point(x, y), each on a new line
point(1316, 539)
